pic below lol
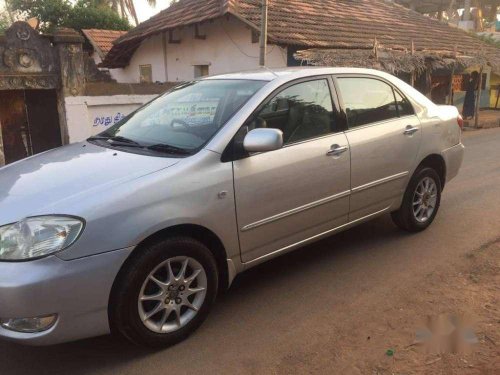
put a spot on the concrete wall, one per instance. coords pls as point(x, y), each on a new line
point(494, 83)
point(227, 48)
point(90, 115)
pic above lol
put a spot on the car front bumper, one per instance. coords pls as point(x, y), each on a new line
point(77, 291)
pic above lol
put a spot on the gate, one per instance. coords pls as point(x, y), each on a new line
point(36, 73)
point(29, 122)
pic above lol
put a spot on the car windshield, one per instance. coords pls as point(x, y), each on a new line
point(182, 120)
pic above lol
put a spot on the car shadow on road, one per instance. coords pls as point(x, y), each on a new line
point(110, 354)
point(342, 246)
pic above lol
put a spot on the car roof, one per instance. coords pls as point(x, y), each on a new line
point(269, 74)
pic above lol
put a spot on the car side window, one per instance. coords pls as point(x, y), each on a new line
point(404, 106)
point(367, 100)
point(302, 111)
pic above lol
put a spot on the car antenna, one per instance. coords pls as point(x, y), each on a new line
point(270, 71)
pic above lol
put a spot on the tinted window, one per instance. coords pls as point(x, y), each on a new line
point(302, 111)
point(404, 106)
point(367, 100)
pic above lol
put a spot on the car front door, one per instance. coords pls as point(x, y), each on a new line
point(384, 136)
point(300, 191)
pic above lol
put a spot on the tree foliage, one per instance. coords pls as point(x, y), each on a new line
point(62, 13)
point(488, 38)
point(86, 15)
point(4, 23)
point(5, 19)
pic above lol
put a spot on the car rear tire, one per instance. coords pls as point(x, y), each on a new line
point(164, 292)
point(421, 201)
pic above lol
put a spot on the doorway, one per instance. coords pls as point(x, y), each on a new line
point(29, 123)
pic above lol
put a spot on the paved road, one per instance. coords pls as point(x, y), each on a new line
point(281, 313)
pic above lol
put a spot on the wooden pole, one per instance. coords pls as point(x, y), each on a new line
point(263, 34)
point(451, 10)
point(479, 18)
point(413, 75)
point(450, 90)
point(428, 81)
point(467, 14)
point(498, 97)
point(478, 99)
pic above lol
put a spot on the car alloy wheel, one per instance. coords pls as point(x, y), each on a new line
point(172, 294)
point(425, 199)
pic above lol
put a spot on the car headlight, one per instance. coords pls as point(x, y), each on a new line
point(37, 237)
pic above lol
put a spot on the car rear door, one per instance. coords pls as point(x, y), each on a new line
point(287, 196)
point(384, 136)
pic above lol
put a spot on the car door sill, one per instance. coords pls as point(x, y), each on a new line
point(317, 237)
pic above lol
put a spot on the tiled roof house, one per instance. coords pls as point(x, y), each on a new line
point(102, 40)
point(295, 25)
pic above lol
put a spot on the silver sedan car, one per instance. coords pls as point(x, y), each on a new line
point(136, 230)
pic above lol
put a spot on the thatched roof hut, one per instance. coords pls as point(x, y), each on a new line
point(397, 61)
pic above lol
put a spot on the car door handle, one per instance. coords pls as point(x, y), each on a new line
point(337, 150)
point(410, 130)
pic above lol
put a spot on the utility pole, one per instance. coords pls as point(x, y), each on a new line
point(451, 10)
point(467, 5)
point(263, 34)
point(478, 98)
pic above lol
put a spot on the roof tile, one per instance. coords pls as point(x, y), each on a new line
point(350, 24)
point(102, 40)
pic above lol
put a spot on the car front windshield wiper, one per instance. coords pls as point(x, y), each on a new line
point(126, 142)
point(169, 149)
point(117, 141)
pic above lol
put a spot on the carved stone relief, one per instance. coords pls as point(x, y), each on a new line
point(24, 49)
point(19, 82)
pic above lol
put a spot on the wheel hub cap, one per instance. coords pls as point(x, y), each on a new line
point(173, 294)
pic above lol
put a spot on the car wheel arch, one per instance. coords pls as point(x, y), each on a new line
point(197, 232)
point(436, 162)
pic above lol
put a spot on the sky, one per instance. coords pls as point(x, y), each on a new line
point(145, 11)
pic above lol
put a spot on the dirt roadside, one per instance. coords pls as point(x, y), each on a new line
point(471, 286)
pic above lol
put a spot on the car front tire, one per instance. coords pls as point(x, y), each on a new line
point(164, 292)
point(421, 201)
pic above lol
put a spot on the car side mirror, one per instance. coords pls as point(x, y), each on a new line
point(263, 140)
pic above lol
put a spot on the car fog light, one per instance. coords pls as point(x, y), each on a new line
point(29, 325)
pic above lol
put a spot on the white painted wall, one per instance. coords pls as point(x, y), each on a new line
point(90, 115)
point(466, 25)
point(227, 48)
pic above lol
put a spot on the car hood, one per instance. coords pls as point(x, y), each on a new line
point(35, 186)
